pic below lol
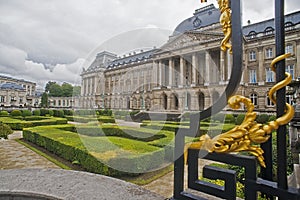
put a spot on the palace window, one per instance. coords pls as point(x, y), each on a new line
point(269, 102)
point(2, 99)
point(21, 100)
point(252, 55)
point(290, 70)
point(270, 75)
point(289, 99)
point(269, 31)
point(269, 53)
point(252, 76)
point(288, 26)
point(252, 35)
point(253, 98)
point(289, 49)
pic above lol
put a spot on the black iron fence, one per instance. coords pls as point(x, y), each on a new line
point(254, 183)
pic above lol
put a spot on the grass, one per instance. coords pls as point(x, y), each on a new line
point(45, 155)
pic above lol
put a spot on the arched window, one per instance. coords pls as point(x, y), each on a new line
point(253, 98)
point(269, 31)
point(288, 26)
point(252, 35)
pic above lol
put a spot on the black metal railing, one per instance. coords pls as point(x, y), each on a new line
point(252, 182)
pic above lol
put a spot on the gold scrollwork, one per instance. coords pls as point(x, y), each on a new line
point(244, 137)
point(225, 21)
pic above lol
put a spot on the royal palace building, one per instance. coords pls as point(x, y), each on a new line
point(189, 72)
point(17, 92)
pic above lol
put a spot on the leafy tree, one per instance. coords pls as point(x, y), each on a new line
point(48, 85)
point(76, 91)
point(67, 89)
point(44, 100)
point(55, 90)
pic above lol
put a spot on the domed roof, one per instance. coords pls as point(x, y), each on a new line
point(202, 17)
point(14, 86)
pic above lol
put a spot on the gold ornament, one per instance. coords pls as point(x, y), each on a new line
point(244, 137)
point(225, 21)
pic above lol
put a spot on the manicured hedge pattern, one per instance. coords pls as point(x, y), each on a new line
point(69, 146)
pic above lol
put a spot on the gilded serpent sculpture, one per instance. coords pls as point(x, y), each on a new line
point(246, 136)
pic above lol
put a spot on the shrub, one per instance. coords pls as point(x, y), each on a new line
point(239, 119)
point(68, 112)
point(36, 112)
point(4, 113)
point(262, 119)
point(106, 119)
point(50, 113)
point(272, 118)
point(58, 113)
point(218, 117)
point(15, 113)
point(229, 118)
point(26, 113)
point(5, 130)
point(44, 112)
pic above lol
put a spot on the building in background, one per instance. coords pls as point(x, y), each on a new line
point(17, 93)
point(190, 72)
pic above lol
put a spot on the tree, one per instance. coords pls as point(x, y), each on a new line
point(44, 100)
point(67, 89)
point(55, 90)
point(76, 90)
point(48, 85)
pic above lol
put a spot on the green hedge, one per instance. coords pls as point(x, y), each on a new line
point(17, 124)
point(26, 113)
point(138, 134)
point(4, 113)
point(5, 130)
point(106, 119)
point(15, 113)
point(69, 146)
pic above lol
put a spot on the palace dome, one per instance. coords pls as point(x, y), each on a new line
point(202, 17)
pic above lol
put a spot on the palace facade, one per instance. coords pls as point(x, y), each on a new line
point(189, 72)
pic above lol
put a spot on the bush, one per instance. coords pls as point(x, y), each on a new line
point(15, 113)
point(106, 119)
point(218, 117)
point(58, 113)
point(262, 119)
point(239, 119)
point(4, 113)
point(44, 112)
point(68, 112)
point(272, 118)
point(50, 113)
point(5, 130)
point(36, 112)
point(26, 113)
point(229, 118)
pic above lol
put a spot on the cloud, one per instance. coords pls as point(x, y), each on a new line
point(61, 34)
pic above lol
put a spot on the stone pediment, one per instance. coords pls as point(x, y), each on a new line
point(190, 39)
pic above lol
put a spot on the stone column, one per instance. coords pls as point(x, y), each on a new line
point(120, 78)
point(145, 80)
point(181, 73)
point(207, 68)
point(194, 69)
point(95, 84)
point(160, 74)
point(109, 88)
point(229, 64)
point(171, 70)
point(222, 67)
point(260, 68)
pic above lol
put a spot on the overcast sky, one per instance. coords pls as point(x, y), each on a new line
point(43, 40)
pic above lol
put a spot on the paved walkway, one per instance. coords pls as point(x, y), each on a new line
point(14, 155)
